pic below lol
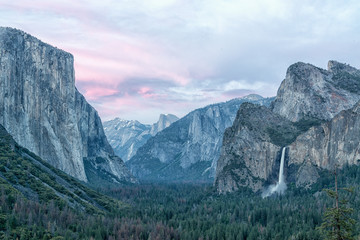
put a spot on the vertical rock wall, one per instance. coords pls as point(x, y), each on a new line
point(41, 108)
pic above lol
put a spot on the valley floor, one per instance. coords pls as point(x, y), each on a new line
point(180, 211)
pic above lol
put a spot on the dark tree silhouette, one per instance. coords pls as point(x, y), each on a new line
point(337, 222)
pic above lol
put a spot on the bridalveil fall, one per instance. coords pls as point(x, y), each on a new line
point(280, 187)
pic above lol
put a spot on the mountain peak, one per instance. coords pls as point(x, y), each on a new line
point(164, 121)
point(253, 97)
point(301, 68)
point(9, 30)
point(336, 67)
point(10, 37)
point(310, 91)
point(168, 116)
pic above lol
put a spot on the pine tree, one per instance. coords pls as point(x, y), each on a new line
point(337, 222)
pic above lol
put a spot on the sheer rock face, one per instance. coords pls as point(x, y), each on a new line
point(309, 91)
point(189, 148)
point(322, 132)
point(41, 108)
point(127, 136)
point(334, 142)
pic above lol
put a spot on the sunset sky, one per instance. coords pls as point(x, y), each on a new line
point(137, 59)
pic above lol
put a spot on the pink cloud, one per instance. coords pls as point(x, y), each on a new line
point(147, 92)
point(119, 60)
point(109, 60)
point(104, 54)
point(93, 93)
point(63, 8)
point(144, 90)
point(103, 47)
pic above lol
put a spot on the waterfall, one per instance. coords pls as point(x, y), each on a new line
point(281, 172)
point(280, 187)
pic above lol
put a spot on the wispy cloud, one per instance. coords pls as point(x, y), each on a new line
point(137, 59)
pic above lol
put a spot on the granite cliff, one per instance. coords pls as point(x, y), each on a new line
point(44, 112)
point(189, 148)
point(309, 91)
point(334, 142)
point(127, 136)
point(308, 115)
point(250, 153)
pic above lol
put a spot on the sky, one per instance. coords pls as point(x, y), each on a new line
point(137, 59)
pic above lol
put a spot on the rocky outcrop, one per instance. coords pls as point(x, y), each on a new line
point(321, 132)
point(41, 108)
point(309, 91)
point(251, 148)
point(188, 149)
point(127, 136)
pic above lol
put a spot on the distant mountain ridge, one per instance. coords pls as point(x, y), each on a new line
point(127, 136)
point(189, 148)
point(44, 112)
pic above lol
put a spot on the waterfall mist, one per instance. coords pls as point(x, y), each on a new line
point(280, 187)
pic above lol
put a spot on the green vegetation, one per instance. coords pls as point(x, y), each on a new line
point(38, 180)
point(285, 135)
point(337, 223)
point(197, 212)
point(282, 136)
point(181, 211)
point(306, 123)
point(347, 81)
point(34, 195)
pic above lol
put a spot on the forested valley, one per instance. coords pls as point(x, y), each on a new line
point(179, 211)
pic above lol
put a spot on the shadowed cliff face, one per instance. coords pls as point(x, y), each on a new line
point(308, 116)
point(41, 108)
